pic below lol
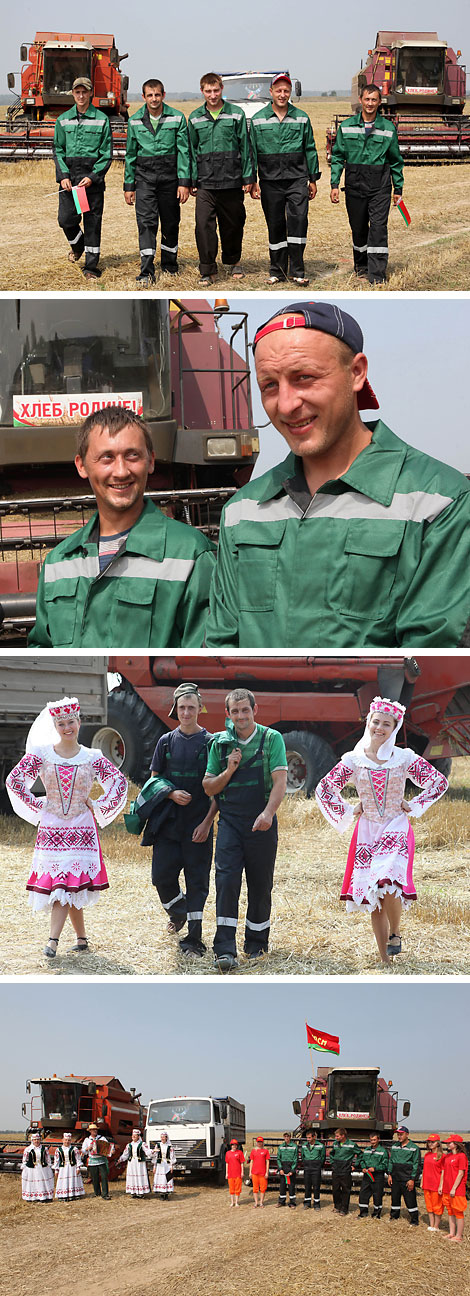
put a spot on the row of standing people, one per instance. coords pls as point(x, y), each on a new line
point(214, 158)
point(67, 1161)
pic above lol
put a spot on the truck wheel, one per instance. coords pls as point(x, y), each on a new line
point(130, 736)
point(309, 757)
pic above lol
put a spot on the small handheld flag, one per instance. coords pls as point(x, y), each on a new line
point(321, 1041)
point(80, 199)
point(404, 212)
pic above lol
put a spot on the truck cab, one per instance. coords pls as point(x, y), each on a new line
point(250, 90)
point(199, 1130)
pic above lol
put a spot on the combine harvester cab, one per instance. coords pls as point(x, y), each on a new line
point(68, 1104)
point(423, 92)
point(49, 68)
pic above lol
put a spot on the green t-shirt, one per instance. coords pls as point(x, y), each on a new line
point(154, 120)
point(274, 751)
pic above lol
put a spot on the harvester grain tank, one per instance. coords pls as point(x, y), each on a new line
point(423, 93)
point(49, 68)
point(68, 1104)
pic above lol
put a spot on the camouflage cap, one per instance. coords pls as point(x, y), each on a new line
point(184, 690)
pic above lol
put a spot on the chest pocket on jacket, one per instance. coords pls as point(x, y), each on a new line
point(133, 611)
point(372, 554)
point(258, 562)
point(61, 609)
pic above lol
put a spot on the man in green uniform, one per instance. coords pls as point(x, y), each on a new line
point(286, 159)
point(83, 150)
point(404, 1174)
point(343, 1154)
point(222, 172)
point(157, 177)
point(374, 1162)
point(312, 1153)
point(131, 577)
point(356, 539)
point(367, 146)
point(287, 1157)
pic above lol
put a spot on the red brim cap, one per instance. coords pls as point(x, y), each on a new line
point(433, 1138)
point(282, 76)
point(259, 1139)
point(325, 318)
point(235, 1141)
point(454, 1138)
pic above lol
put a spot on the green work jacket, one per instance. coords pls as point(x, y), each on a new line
point(377, 1160)
point(405, 1160)
point(379, 557)
point(342, 1155)
point(313, 1153)
point(220, 148)
point(370, 157)
point(283, 150)
point(161, 152)
point(153, 594)
point(86, 136)
point(287, 1156)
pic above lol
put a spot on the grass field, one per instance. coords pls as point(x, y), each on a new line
point(310, 934)
point(434, 253)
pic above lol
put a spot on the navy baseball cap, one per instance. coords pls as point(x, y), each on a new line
point(326, 319)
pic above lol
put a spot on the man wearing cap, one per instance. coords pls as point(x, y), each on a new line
point(157, 178)
point(286, 159)
point(259, 1170)
point(367, 146)
point(356, 538)
point(83, 150)
point(404, 1174)
point(97, 1160)
point(247, 773)
point(184, 842)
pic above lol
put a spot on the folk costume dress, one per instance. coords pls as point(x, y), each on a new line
point(37, 1175)
point(380, 858)
point(68, 1163)
point(67, 861)
point(137, 1180)
point(163, 1160)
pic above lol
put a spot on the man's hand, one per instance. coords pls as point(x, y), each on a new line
point(312, 189)
point(389, 1177)
point(405, 805)
point(234, 759)
point(263, 822)
point(66, 184)
point(85, 183)
point(410, 1183)
point(129, 195)
point(396, 199)
point(358, 810)
point(201, 833)
point(180, 797)
point(248, 187)
point(255, 191)
point(193, 191)
point(334, 195)
point(182, 193)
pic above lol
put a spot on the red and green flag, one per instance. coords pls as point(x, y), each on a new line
point(404, 212)
point(80, 199)
point(321, 1041)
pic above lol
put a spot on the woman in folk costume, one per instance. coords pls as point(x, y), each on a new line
point(136, 1153)
point(379, 870)
point(67, 1165)
point(163, 1160)
point(37, 1175)
point(68, 872)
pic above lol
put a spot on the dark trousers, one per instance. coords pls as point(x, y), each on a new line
point(87, 240)
point(99, 1179)
point(193, 859)
point(225, 208)
point(399, 1190)
point(156, 201)
point(238, 849)
point(341, 1183)
point(312, 1181)
point(283, 1186)
point(368, 218)
point(376, 1188)
point(285, 206)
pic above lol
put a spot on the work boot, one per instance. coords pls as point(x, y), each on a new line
point(363, 1213)
point(376, 1213)
point(316, 1205)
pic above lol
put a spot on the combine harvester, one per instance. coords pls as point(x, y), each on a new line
point(49, 68)
point(68, 1104)
point(423, 93)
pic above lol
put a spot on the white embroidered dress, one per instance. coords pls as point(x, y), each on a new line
point(381, 853)
point(67, 862)
point(69, 1179)
point(137, 1180)
point(162, 1184)
point(37, 1181)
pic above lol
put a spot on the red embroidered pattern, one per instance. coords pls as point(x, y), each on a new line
point(428, 777)
point(392, 843)
point(363, 856)
point(27, 767)
point(104, 772)
point(65, 839)
point(65, 777)
point(340, 775)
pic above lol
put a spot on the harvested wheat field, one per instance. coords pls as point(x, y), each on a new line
point(434, 253)
point(196, 1244)
point(310, 932)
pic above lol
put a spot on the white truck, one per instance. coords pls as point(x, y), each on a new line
point(199, 1129)
point(250, 90)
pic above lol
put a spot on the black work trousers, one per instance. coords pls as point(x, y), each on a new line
point(87, 240)
point(374, 1187)
point(224, 208)
point(285, 206)
point(312, 1181)
point(193, 859)
point(399, 1190)
point(284, 1185)
point(156, 200)
point(341, 1181)
point(238, 849)
point(368, 218)
point(99, 1179)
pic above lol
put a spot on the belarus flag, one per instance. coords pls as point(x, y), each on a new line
point(404, 212)
point(80, 199)
point(321, 1041)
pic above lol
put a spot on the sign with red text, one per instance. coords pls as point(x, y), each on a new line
point(64, 411)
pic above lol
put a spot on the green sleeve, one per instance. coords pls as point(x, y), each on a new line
point(276, 750)
point(105, 152)
point(311, 154)
point(416, 1163)
point(254, 146)
point(323, 1153)
point(245, 151)
point(385, 1161)
point(435, 611)
point(333, 1151)
point(338, 159)
point(131, 158)
point(278, 1159)
point(183, 163)
point(214, 765)
point(193, 145)
point(192, 614)
point(222, 624)
point(396, 164)
point(39, 636)
point(61, 169)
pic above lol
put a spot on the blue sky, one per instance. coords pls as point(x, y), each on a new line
point(246, 1040)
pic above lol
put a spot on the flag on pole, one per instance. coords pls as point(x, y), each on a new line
point(321, 1041)
point(404, 212)
point(80, 199)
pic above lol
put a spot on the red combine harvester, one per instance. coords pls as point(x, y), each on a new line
point(69, 1104)
point(319, 704)
point(168, 361)
point(423, 93)
point(50, 66)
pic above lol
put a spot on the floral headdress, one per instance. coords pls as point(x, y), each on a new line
point(397, 712)
point(64, 708)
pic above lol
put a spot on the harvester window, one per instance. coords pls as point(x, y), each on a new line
point(61, 67)
point(353, 1093)
point(60, 1103)
point(420, 69)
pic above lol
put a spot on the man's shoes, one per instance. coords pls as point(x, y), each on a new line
point(171, 270)
point(300, 280)
point(293, 1204)
point(91, 274)
point(275, 279)
point(316, 1205)
point(225, 962)
point(193, 949)
point(379, 279)
point(280, 1204)
point(146, 278)
point(253, 955)
point(176, 925)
